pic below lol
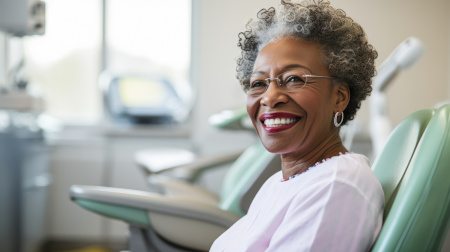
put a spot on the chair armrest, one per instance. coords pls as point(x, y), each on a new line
point(232, 119)
point(191, 171)
point(181, 220)
point(106, 198)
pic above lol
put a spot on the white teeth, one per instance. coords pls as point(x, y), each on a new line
point(274, 122)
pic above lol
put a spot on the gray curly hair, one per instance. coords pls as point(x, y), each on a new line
point(350, 58)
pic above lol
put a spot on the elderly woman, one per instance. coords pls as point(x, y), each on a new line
point(305, 69)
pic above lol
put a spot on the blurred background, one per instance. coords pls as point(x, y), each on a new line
point(86, 84)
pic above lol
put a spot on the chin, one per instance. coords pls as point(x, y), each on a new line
point(274, 147)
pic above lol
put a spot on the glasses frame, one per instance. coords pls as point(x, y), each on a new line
point(280, 83)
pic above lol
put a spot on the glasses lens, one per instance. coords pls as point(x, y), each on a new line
point(257, 87)
point(294, 82)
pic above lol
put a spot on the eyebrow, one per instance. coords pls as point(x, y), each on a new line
point(284, 69)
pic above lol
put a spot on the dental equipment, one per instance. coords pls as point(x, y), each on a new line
point(22, 17)
point(404, 56)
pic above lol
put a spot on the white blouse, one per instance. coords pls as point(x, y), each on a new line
point(336, 205)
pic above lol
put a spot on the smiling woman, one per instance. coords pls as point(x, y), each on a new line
point(312, 104)
point(305, 69)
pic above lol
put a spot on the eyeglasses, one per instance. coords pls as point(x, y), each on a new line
point(291, 83)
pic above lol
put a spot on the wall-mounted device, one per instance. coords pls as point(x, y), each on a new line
point(22, 17)
point(142, 99)
point(404, 55)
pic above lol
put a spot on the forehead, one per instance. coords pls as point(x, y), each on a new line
point(290, 51)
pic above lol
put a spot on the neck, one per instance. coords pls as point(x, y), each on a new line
point(296, 163)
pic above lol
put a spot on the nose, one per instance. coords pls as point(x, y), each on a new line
point(273, 96)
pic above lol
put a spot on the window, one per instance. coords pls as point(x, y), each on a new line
point(64, 63)
point(151, 38)
point(142, 36)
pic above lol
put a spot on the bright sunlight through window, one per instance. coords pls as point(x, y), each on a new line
point(143, 36)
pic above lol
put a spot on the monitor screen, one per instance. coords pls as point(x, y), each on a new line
point(141, 92)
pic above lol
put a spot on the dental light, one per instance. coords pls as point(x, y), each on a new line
point(404, 56)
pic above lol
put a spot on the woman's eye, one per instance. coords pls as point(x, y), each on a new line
point(294, 79)
point(258, 84)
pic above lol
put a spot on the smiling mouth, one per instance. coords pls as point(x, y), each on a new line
point(276, 122)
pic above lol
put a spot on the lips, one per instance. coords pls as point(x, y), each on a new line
point(278, 121)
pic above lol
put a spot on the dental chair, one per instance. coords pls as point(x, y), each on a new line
point(172, 170)
point(393, 161)
point(414, 170)
point(418, 198)
point(190, 219)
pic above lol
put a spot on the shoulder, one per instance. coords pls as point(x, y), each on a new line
point(344, 184)
point(350, 174)
point(354, 170)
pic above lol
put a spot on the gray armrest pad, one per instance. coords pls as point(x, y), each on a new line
point(176, 206)
point(176, 187)
point(191, 170)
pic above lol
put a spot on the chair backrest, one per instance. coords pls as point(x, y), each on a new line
point(418, 217)
point(246, 176)
point(395, 157)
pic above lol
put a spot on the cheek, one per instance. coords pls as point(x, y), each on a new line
point(309, 100)
point(252, 109)
point(316, 105)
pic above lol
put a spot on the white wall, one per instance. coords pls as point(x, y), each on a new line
point(215, 52)
point(386, 23)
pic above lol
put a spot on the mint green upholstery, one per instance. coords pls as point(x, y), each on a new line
point(186, 220)
point(418, 217)
point(134, 216)
point(394, 159)
point(241, 174)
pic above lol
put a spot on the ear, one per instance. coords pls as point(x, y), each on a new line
point(342, 92)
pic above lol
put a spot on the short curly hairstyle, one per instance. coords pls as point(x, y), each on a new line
point(349, 56)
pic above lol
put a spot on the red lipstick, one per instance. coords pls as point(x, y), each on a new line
point(278, 121)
